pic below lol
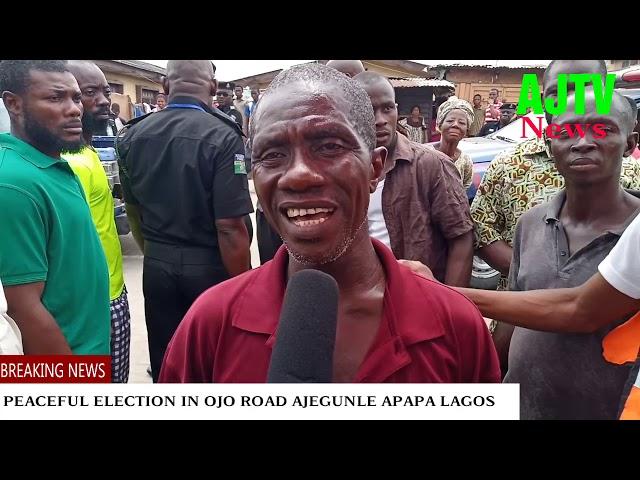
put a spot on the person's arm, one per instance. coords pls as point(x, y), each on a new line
point(459, 260)
point(24, 268)
point(467, 177)
point(583, 309)
point(133, 217)
point(498, 255)
point(41, 335)
point(233, 241)
point(608, 296)
point(130, 201)
point(487, 213)
point(449, 208)
point(231, 202)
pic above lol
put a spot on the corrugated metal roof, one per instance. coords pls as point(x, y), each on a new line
point(515, 64)
point(419, 82)
point(143, 66)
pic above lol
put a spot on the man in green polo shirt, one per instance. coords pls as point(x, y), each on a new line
point(51, 261)
point(86, 165)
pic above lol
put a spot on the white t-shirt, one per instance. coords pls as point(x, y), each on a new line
point(621, 268)
point(10, 337)
point(377, 225)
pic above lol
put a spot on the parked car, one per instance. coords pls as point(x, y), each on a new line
point(106, 151)
point(628, 77)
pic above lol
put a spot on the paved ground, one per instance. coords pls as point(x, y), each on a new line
point(133, 278)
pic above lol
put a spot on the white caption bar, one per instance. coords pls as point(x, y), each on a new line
point(260, 401)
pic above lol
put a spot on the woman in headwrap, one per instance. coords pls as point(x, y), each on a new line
point(414, 125)
point(453, 121)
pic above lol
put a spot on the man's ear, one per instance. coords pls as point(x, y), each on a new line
point(632, 143)
point(165, 86)
point(378, 159)
point(13, 103)
point(214, 87)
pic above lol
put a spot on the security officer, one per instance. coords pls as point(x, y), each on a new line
point(186, 193)
point(225, 100)
point(507, 115)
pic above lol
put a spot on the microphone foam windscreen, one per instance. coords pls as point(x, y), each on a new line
point(306, 335)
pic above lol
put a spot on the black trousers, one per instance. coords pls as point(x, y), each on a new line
point(172, 279)
point(268, 240)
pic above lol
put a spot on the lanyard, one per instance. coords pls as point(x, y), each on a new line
point(186, 105)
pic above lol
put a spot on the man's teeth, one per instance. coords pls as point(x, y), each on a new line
point(301, 212)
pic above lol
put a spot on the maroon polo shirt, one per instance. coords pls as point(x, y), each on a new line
point(428, 333)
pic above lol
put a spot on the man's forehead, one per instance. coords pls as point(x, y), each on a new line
point(568, 67)
point(52, 80)
point(290, 104)
point(617, 114)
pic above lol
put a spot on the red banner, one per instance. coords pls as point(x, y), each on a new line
point(55, 369)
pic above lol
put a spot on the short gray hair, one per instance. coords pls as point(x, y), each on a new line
point(361, 111)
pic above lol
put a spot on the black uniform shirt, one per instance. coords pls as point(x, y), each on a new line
point(184, 168)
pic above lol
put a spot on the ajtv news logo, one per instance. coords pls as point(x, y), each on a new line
point(530, 98)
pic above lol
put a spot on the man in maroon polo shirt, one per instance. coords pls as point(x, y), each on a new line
point(315, 163)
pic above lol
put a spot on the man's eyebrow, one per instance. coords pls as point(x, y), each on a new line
point(328, 130)
point(60, 89)
point(270, 140)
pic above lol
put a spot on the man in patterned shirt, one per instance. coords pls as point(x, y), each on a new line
point(523, 177)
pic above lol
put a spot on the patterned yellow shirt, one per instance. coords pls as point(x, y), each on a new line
point(517, 180)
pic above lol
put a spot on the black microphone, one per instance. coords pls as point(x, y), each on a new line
point(306, 334)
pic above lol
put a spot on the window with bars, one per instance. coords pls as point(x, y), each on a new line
point(116, 88)
point(149, 96)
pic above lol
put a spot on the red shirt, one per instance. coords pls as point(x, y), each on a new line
point(429, 333)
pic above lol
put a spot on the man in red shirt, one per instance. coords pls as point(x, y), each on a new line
point(315, 163)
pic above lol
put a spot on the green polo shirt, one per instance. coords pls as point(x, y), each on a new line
point(48, 236)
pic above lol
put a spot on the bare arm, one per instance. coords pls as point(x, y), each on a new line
point(233, 240)
point(497, 254)
point(459, 260)
point(133, 217)
point(40, 332)
point(582, 309)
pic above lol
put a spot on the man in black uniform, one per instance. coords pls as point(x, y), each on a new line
point(507, 115)
point(225, 100)
point(185, 186)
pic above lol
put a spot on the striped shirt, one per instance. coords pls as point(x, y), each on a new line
point(488, 117)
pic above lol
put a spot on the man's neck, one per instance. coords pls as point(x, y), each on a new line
point(358, 269)
point(202, 98)
point(596, 201)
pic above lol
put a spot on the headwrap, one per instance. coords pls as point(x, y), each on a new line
point(454, 103)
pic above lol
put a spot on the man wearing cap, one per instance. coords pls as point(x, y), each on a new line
point(507, 115)
point(225, 100)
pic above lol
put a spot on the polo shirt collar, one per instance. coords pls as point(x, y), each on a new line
point(28, 152)
point(405, 311)
point(554, 205)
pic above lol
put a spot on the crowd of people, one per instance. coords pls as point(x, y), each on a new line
point(346, 187)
